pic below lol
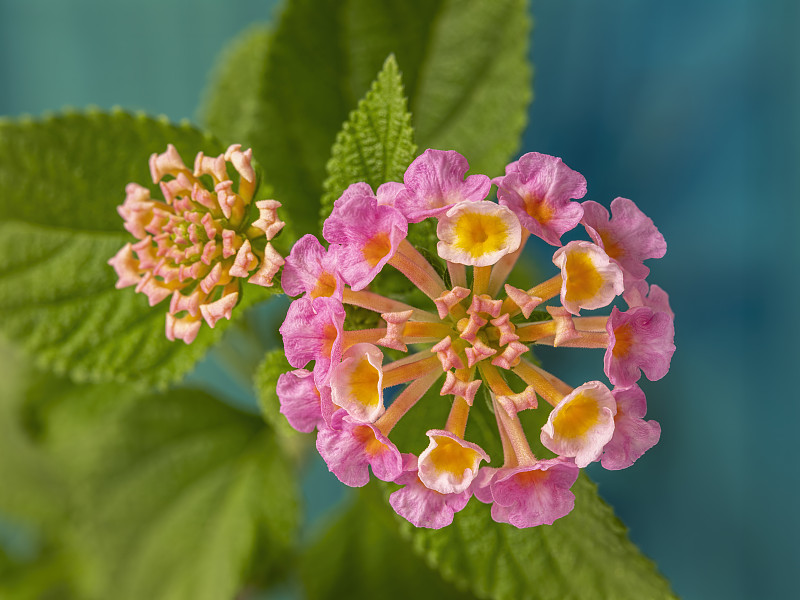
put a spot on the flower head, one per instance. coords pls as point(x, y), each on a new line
point(468, 338)
point(198, 244)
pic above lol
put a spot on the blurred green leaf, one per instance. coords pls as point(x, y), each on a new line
point(177, 496)
point(61, 180)
point(464, 65)
point(265, 381)
point(31, 484)
point(586, 554)
point(48, 577)
point(230, 103)
point(376, 143)
point(362, 555)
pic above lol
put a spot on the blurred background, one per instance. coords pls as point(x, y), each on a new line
point(688, 108)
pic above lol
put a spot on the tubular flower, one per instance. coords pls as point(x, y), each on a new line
point(198, 244)
point(465, 335)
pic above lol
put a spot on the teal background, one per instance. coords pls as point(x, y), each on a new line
point(690, 109)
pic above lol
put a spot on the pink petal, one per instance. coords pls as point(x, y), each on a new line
point(538, 188)
point(633, 436)
point(534, 495)
point(629, 237)
point(300, 400)
point(639, 338)
point(367, 235)
point(421, 506)
point(350, 447)
point(434, 181)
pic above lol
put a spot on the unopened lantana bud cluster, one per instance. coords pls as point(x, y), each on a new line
point(473, 334)
point(198, 244)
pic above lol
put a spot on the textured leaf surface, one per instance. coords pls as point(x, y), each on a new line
point(61, 180)
point(178, 496)
point(362, 555)
point(464, 65)
point(586, 554)
point(376, 143)
point(230, 103)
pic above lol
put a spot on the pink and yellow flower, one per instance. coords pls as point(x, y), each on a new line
point(469, 339)
point(197, 245)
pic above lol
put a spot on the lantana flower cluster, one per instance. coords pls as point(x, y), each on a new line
point(198, 244)
point(472, 335)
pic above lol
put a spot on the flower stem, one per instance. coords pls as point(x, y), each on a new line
point(419, 271)
point(504, 266)
point(534, 378)
point(544, 291)
point(382, 304)
point(458, 274)
point(394, 375)
point(546, 385)
point(590, 323)
point(536, 331)
point(457, 420)
point(403, 403)
point(587, 339)
point(480, 279)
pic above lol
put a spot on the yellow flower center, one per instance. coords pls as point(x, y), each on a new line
point(623, 340)
point(577, 417)
point(538, 209)
point(326, 285)
point(479, 234)
point(376, 248)
point(363, 384)
point(583, 279)
point(366, 437)
point(451, 457)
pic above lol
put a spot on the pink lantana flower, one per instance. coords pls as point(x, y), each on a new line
point(639, 339)
point(590, 279)
point(356, 382)
point(539, 189)
point(449, 463)
point(633, 436)
point(629, 236)
point(581, 424)
point(466, 336)
point(300, 400)
point(477, 233)
point(420, 505)
point(638, 293)
point(312, 270)
point(197, 246)
point(530, 495)
point(349, 447)
point(435, 181)
point(366, 235)
point(313, 330)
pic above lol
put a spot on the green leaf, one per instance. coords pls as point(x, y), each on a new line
point(362, 555)
point(48, 577)
point(476, 88)
point(376, 143)
point(61, 180)
point(30, 480)
point(230, 102)
point(586, 554)
point(265, 382)
point(178, 496)
point(464, 66)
